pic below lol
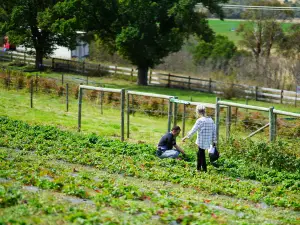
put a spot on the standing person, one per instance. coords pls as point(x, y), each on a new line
point(166, 144)
point(206, 135)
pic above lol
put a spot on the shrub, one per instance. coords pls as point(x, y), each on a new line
point(274, 155)
point(47, 85)
point(229, 91)
point(7, 81)
point(92, 95)
point(112, 98)
point(20, 82)
point(75, 90)
point(254, 120)
point(60, 91)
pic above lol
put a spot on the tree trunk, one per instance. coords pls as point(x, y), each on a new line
point(142, 75)
point(39, 59)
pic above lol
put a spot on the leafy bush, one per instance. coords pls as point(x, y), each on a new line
point(20, 82)
point(47, 84)
point(60, 91)
point(229, 91)
point(7, 81)
point(9, 196)
point(93, 95)
point(274, 155)
point(75, 90)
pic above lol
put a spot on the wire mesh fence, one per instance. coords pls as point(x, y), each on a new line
point(148, 116)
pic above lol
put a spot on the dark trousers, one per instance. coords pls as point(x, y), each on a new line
point(201, 161)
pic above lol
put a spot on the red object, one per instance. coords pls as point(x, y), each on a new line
point(7, 45)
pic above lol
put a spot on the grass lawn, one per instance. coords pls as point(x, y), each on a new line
point(51, 110)
point(187, 95)
point(228, 27)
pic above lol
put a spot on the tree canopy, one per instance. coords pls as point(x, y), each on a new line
point(143, 31)
point(32, 23)
point(219, 48)
point(262, 31)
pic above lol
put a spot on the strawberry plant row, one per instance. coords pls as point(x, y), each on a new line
point(138, 160)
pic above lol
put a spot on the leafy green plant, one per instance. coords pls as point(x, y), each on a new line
point(9, 196)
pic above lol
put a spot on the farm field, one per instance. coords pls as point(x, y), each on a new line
point(228, 27)
point(87, 179)
point(51, 174)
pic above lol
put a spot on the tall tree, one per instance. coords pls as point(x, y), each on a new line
point(32, 23)
point(290, 48)
point(262, 30)
point(144, 31)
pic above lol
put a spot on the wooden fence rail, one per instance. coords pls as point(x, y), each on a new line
point(161, 79)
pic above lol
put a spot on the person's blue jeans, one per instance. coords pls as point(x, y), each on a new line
point(170, 154)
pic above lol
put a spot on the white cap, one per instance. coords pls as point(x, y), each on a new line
point(200, 109)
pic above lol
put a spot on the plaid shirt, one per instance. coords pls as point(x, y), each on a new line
point(206, 132)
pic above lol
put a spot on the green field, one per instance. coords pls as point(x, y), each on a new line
point(51, 174)
point(228, 27)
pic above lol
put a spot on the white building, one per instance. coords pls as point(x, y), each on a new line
point(80, 52)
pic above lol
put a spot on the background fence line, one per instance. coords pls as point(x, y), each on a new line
point(161, 79)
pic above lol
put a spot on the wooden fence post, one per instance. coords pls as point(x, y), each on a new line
point(175, 112)
point(132, 102)
point(87, 79)
point(36, 82)
point(170, 115)
point(68, 65)
point(101, 102)
point(217, 118)
point(236, 115)
point(162, 107)
point(116, 70)
point(210, 86)
point(128, 113)
point(183, 120)
point(79, 108)
point(150, 77)
point(24, 57)
point(228, 122)
point(189, 83)
point(296, 95)
point(256, 93)
point(31, 93)
point(83, 67)
point(122, 113)
point(8, 81)
point(281, 96)
point(169, 79)
point(67, 97)
point(11, 56)
point(62, 79)
point(275, 126)
point(272, 124)
point(53, 63)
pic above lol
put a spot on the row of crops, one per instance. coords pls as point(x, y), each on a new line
point(123, 183)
